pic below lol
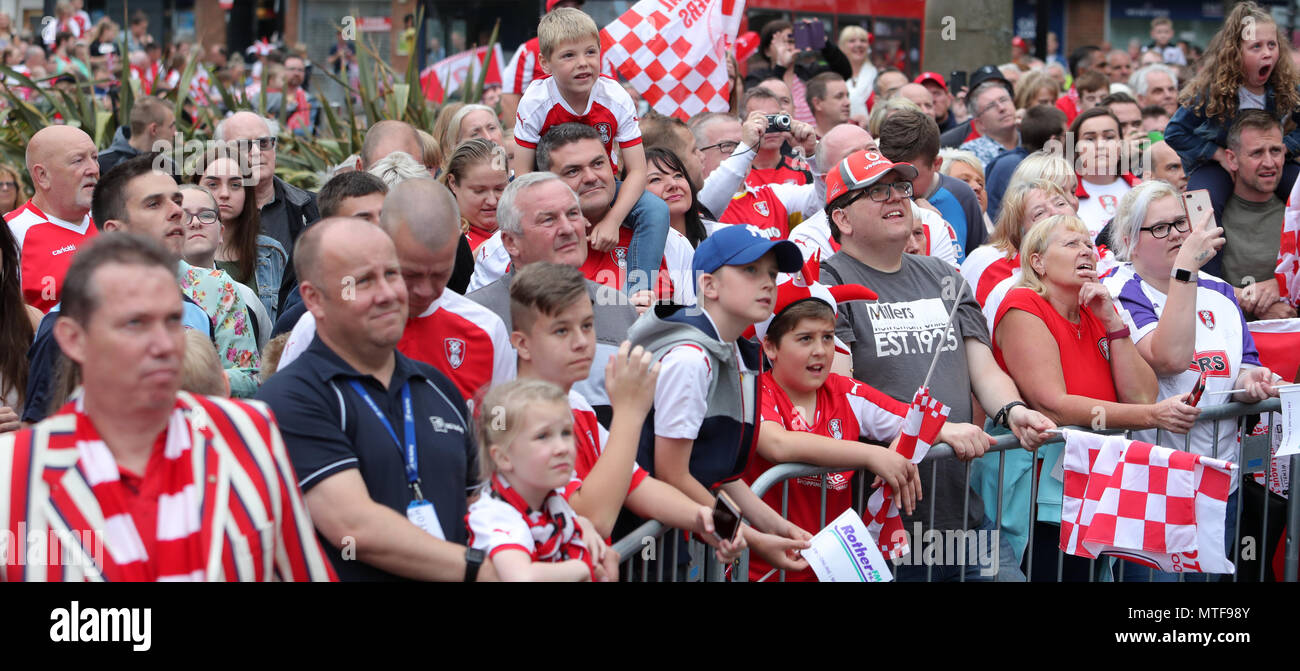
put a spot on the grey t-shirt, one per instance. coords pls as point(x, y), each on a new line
point(893, 340)
point(1251, 231)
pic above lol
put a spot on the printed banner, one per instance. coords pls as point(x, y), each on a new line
point(845, 552)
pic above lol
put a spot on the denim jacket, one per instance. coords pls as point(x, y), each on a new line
point(1196, 137)
point(271, 261)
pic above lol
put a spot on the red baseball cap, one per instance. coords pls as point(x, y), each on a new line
point(1020, 42)
point(931, 77)
point(550, 4)
point(861, 170)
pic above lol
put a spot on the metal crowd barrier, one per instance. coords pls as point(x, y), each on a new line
point(654, 553)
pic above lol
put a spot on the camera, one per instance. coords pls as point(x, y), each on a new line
point(778, 123)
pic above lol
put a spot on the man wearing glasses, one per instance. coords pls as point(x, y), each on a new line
point(894, 340)
point(993, 115)
point(286, 210)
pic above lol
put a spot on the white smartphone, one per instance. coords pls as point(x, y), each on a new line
point(1198, 202)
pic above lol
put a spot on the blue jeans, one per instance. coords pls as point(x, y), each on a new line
point(982, 570)
point(649, 223)
point(1213, 178)
point(1134, 572)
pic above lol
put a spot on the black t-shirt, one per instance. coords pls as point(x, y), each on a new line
point(328, 428)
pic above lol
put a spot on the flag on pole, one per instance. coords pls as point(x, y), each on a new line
point(1161, 508)
point(448, 74)
point(1288, 252)
point(920, 429)
point(674, 52)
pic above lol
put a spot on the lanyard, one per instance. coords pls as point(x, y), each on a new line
point(412, 460)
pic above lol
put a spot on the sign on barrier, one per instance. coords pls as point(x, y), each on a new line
point(845, 552)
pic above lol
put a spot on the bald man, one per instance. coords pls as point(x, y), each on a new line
point(386, 137)
point(919, 94)
point(1160, 161)
point(462, 339)
point(48, 229)
point(347, 400)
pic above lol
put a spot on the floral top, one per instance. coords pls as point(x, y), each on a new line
point(214, 291)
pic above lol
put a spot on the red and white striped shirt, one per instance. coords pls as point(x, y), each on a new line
point(218, 501)
point(985, 267)
point(524, 68)
point(46, 246)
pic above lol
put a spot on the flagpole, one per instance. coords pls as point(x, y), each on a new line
point(947, 325)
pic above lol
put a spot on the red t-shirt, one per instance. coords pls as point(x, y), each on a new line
point(847, 410)
point(45, 249)
point(786, 172)
point(760, 208)
point(609, 268)
point(591, 439)
point(463, 340)
point(1083, 345)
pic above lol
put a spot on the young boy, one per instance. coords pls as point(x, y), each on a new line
point(700, 433)
point(552, 318)
point(569, 43)
point(813, 416)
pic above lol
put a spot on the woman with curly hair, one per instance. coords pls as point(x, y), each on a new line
point(1245, 67)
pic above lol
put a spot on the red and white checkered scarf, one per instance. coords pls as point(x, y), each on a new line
point(556, 534)
point(171, 549)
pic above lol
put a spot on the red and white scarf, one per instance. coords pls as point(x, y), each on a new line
point(169, 550)
point(556, 534)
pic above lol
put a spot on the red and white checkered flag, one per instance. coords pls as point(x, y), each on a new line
point(920, 429)
point(1287, 272)
point(1159, 507)
point(674, 55)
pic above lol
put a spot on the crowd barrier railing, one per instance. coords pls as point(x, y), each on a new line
point(655, 553)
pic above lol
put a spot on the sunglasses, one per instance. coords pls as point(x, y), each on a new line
point(265, 143)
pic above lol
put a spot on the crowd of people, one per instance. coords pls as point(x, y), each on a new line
point(486, 349)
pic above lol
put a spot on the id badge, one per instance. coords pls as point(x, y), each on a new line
point(422, 514)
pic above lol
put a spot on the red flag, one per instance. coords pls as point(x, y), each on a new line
point(674, 56)
point(921, 428)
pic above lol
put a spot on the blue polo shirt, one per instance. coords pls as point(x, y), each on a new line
point(328, 428)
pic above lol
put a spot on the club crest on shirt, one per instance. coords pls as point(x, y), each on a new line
point(835, 429)
point(1207, 318)
point(761, 208)
point(605, 134)
point(1109, 204)
point(455, 350)
point(1104, 345)
point(619, 254)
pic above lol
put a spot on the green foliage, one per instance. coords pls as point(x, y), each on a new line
point(383, 94)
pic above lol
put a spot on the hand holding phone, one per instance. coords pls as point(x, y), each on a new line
point(726, 517)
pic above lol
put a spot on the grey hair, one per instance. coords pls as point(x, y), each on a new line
point(219, 134)
point(952, 155)
point(450, 137)
point(1132, 213)
point(398, 167)
point(510, 217)
point(972, 98)
point(1138, 80)
point(700, 123)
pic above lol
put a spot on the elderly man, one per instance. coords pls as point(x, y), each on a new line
point(462, 339)
point(1163, 163)
point(153, 124)
point(285, 209)
point(870, 218)
point(386, 137)
point(174, 486)
point(342, 408)
point(1156, 85)
point(50, 227)
point(993, 116)
point(541, 219)
point(574, 152)
point(1119, 65)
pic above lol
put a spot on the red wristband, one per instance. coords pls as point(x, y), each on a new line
point(1116, 335)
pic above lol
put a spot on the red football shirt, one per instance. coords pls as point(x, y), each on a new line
point(610, 110)
point(476, 237)
point(45, 248)
point(591, 439)
point(761, 208)
point(609, 268)
point(846, 410)
point(463, 340)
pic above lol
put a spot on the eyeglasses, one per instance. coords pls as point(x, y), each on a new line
point(265, 143)
point(206, 217)
point(1162, 229)
point(8, 186)
point(725, 147)
point(1004, 100)
point(880, 192)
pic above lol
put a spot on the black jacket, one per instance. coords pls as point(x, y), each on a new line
point(300, 212)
